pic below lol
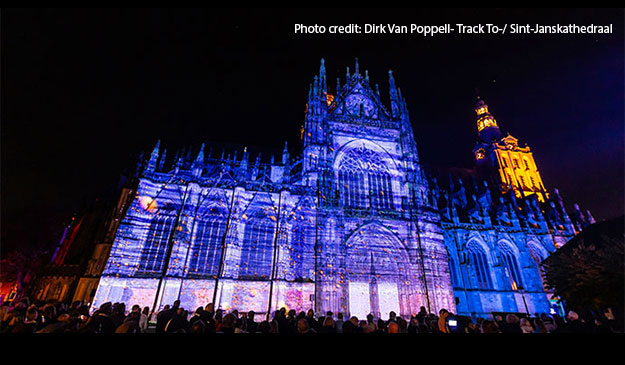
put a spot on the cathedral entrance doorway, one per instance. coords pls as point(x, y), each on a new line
point(378, 273)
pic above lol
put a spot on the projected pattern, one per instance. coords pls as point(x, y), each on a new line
point(352, 226)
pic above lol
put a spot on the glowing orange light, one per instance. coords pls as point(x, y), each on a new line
point(148, 203)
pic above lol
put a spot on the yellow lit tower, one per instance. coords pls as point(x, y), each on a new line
point(512, 166)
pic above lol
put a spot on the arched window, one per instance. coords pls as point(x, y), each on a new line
point(538, 256)
point(512, 266)
point(206, 250)
point(257, 250)
point(155, 247)
point(479, 261)
point(364, 180)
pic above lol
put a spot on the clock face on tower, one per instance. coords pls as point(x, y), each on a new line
point(354, 102)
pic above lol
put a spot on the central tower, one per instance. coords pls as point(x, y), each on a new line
point(377, 220)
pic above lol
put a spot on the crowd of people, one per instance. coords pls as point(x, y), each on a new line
point(26, 317)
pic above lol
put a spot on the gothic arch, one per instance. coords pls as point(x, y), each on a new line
point(510, 260)
point(380, 277)
point(370, 145)
point(480, 258)
point(386, 247)
point(505, 243)
point(536, 249)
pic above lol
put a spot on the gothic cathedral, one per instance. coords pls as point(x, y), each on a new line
point(354, 225)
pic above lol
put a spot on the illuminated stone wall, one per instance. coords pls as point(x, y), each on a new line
point(353, 225)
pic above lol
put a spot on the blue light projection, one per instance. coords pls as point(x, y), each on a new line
point(354, 225)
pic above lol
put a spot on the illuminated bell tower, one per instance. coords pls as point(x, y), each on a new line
point(511, 165)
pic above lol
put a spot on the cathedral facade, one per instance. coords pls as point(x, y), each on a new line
point(354, 225)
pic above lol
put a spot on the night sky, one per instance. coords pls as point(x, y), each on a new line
point(86, 91)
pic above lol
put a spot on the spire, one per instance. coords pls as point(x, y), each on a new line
point(338, 87)
point(197, 165)
point(244, 159)
point(285, 154)
point(155, 150)
point(394, 97)
point(256, 167)
point(356, 72)
point(153, 157)
point(322, 77)
point(200, 156)
point(162, 160)
point(590, 218)
point(487, 128)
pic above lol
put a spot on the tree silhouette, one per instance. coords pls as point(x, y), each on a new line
point(588, 272)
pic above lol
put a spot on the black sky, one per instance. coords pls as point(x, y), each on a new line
point(85, 91)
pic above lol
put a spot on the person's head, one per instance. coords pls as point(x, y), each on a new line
point(136, 308)
point(235, 313)
point(525, 322)
point(328, 322)
point(283, 311)
point(310, 313)
point(392, 315)
point(339, 316)
point(422, 310)
point(511, 318)
point(197, 327)
point(498, 318)
point(302, 326)
point(49, 312)
point(381, 324)
point(292, 313)
point(251, 315)
point(489, 327)
point(31, 314)
point(210, 307)
point(106, 308)
point(133, 316)
point(393, 327)
point(229, 320)
point(572, 316)
point(443, 313)
point(402, 324)
point(176, 304)
point(354, 320)
point(180, 311)
point(329, 314)
point(370, 318)
point(199, 310)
